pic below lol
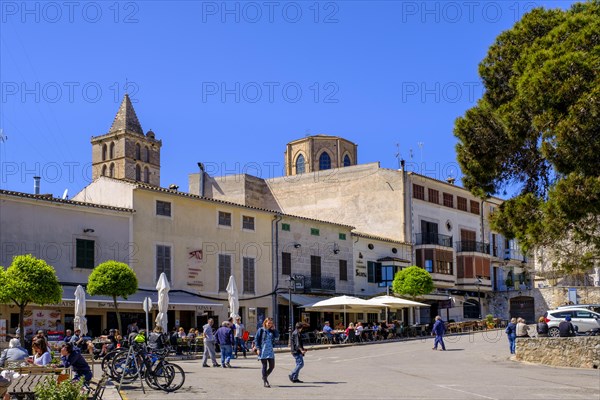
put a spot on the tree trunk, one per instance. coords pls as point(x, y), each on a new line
point(118, 317)
point(21, 318)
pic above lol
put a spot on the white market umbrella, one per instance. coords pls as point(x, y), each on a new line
point(344, 303)
point(80, 322)
point(163, 288)
point(233, 297)
point(395, 303)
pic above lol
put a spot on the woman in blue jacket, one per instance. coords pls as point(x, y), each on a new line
point(511, 332)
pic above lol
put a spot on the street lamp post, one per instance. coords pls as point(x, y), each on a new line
point(479, 296)
point(291, 307)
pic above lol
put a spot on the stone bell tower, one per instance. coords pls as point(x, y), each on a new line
point(125, 152)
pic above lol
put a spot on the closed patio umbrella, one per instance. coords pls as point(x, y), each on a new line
point(80, 322)
point(233, 297)
point(163, 288)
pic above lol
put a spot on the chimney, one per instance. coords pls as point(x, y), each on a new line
point(450, 180)
point(201, 188)
point(36, 184)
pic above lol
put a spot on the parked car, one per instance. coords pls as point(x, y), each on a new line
point(585, 320)
point(593, 307)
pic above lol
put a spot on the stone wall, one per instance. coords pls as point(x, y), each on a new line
point(578, 352)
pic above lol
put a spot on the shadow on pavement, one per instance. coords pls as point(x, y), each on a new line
point(455, 349)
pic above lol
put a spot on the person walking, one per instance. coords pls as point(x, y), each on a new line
point(438, 330)
point(298, 351)
point(264, 342)
point(209, 344)
point(511, 332)
point(239, 337)
point(224, 337)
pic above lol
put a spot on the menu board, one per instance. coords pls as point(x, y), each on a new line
point(35, 320)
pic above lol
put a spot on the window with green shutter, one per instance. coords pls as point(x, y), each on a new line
point(85, 253)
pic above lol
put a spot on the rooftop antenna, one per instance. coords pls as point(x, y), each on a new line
point(420, 144)
point(307, 133)
point(398, 155)
point(126, 85)
point(410, 154)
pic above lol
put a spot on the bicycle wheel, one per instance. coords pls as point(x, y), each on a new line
point(169, 377)
point(123, 368)
point(107, 362)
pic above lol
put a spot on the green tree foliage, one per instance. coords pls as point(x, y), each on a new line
point(29, 280)
point(50, 389)
point(537, 127)
point(114, 279)
point(412, 281)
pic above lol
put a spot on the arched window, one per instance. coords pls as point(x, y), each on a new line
point(324, 161)
point(347, 161)
point(104, 153)
point(138, 151)
point(111, 153)
point(146, 154)
point(104, 170)
point(138, 173)
point(300, 168)
point(111, 170)
point(146, 175)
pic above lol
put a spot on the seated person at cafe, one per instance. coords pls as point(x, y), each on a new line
point(350, 332)
point(14, 352)
point(327, 330)
point(157, 339)
point(359, 329)
point(41, 354)
point(340, 326)
point(68, 336)
point(71, 357)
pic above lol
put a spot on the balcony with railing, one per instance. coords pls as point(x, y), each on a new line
point(313, 284)
point(513, 254)
point(433, 238)
point(472, 246)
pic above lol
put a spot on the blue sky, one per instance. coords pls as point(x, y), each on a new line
point(230, 83)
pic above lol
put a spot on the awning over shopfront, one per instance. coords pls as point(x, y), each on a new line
point(178, 300)
point(302, 300)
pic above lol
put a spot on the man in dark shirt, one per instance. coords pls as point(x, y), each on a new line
point(565, 328)
point(71, 357)
point(224, 337)
point(298, 351)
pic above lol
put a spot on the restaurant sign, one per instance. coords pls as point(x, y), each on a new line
point(195, 274)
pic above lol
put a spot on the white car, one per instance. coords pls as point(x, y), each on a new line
point(585, 320)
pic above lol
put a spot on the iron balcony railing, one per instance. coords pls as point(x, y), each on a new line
point(319, 284)
point(512, 254)
point(434, 238)
point(472, 246)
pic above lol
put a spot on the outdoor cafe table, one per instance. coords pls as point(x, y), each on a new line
point(24, 386)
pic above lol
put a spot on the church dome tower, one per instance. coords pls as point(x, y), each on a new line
point(125, 152)
point(319, 152)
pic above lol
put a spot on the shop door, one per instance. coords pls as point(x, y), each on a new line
point(523, 306)
point(94, 325)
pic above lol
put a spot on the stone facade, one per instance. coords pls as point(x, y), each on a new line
point(577, 352)
point(544, 299)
